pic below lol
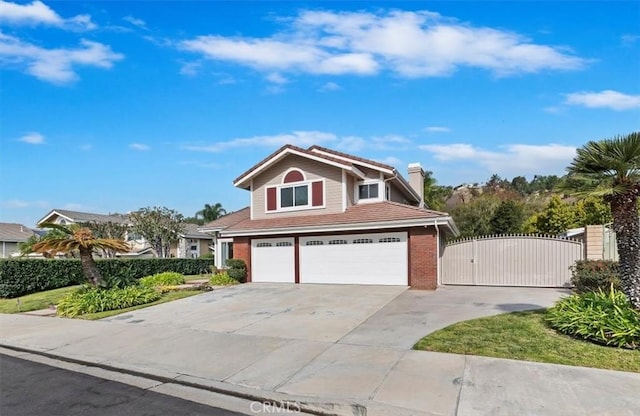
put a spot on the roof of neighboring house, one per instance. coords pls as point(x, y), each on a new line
point(193, 231)
point(15, 233)
point(384, 214)
point(227, 220)
point(78, 216)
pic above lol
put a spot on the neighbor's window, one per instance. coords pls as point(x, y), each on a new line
point(368, 191)
point(294, 196)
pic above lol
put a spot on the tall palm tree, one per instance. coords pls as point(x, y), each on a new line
point(80, 239)
point(211, 212)
point(610, 168)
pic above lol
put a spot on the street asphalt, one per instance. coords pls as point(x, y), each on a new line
point(28, 388)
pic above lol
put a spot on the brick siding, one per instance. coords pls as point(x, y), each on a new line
point(423, 258)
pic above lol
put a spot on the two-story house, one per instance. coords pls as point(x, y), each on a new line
point(321, 216)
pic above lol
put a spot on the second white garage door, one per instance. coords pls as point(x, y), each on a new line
point(378, 259)
point(272, 260)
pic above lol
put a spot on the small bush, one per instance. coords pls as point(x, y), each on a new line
point(117, 282)
point(593, 275)
point(222, 279)
point(163, 279)
point(237, 269)
point(206, 256)
point(90, 300)
point(602, 317)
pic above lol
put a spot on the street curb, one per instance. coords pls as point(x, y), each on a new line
point(319, 408)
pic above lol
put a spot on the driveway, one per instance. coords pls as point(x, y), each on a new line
point(336, 347)
point(377, 316)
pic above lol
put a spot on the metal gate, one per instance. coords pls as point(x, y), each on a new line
point(510, 260)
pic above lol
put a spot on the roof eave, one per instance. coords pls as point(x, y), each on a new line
point(346, 227)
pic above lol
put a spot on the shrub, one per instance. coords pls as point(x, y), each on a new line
point(23, 276)
point(163, 279)
point(117, 282)
point(592, 275)
point(237, 269)
point(206, 256)
point(222, 279)
point(602, 317)
point(90, 300)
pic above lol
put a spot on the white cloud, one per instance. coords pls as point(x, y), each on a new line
point(54, 65)
point(32, 138)
point(390, 142)
point(203, 165)
point(296, 138)
point(139, 146)
point(135, 21)
point(190, 68)
point(629, 39)
point(604, 99)
point(437, 129)
point(512, 159)
point(329, 86)
point(276, 78)
point(351, 143)
point(37, 13)
point(409, 44)
point(390, 160)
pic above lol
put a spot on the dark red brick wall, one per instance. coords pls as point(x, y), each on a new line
point(423, 258)
point(242, 250)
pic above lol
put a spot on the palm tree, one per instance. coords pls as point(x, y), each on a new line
point(81, 239)
point(211, 212)
point(610, 168)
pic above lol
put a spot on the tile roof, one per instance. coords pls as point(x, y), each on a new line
point(297, 149)
point(78, 216)
point(193, 231)
point(228, 220)
point(385, 211)
point(349, 156)
point(11, 232)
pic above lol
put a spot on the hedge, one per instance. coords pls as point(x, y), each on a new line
point(594, 275)
point(23, 276)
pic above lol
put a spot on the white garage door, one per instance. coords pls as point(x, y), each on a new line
point(272, 260)
point(374, 259)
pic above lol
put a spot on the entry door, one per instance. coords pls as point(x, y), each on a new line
point(272, 260)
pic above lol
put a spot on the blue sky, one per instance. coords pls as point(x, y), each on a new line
point(113, 106)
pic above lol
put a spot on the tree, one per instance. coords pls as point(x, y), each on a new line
point(109, 229)
point(474, 218)
point(81, 239)
point(26, 247)
point(435, 195)
point(211, 212)
point(507, 218)
point(160, 226)
point(610, 169)
point(520, 185)
point(592, 210)
point(557, 217)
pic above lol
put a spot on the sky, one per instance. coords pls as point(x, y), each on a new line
point(117, 105)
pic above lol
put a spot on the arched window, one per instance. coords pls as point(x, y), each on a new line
point(293, 175)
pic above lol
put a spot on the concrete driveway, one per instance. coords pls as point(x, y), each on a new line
point(377, 316)
point(340, 348)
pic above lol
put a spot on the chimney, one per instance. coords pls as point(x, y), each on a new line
point(416, 180)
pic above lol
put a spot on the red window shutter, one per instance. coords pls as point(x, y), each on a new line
point(317, 197)
point(272, 204)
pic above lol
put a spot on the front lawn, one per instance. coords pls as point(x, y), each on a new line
point(525, 336)
point(34, 301)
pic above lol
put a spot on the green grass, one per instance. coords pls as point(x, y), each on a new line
point(525, 336)
point(166, 297)
point(34, 301)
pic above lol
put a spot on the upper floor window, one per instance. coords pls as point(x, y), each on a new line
point(294, 196)
point(368, 191)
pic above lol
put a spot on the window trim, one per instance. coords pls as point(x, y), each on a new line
point(309, 184)
point(356, 191)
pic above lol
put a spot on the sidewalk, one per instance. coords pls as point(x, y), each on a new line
point(329, 378)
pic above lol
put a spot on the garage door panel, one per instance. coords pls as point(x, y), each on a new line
point(272, 260)
point(383, 263)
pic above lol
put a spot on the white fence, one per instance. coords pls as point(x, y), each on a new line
point(510, 260)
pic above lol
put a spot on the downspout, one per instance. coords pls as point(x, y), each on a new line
point(438, 277)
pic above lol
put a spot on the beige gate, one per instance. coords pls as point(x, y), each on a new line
point(510, 261)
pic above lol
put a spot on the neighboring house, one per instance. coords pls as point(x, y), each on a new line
point(321, 216)
point(190, 242)
point(10, 235)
